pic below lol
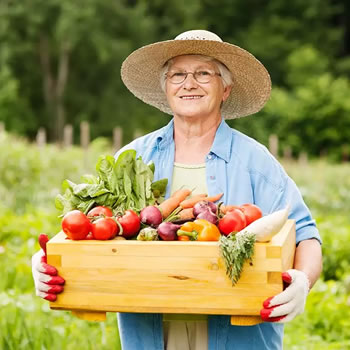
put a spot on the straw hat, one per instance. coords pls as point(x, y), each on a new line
point(251, 88)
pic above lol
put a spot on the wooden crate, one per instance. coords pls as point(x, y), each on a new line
point(166, 277)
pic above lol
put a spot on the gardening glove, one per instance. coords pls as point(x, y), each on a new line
point(291, 302)
point(47, 283)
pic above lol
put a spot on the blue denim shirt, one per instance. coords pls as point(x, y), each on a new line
point(245, 172)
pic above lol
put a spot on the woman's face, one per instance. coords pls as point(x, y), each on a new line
point(193, 99)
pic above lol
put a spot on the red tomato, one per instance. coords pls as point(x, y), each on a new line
point(233, 221)
point(251, 212)
point(104, 228)
point(100, 211)
point(76, 225)
point(130, 223)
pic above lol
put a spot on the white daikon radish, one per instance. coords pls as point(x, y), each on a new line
point(267, 226)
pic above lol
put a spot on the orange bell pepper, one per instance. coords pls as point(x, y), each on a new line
point(199, 230)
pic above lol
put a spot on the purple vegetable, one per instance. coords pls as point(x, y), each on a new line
point(151, 215)
point(208, 215)
point(167, 231)
point(203, 206)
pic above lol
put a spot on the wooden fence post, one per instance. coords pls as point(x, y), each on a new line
point(41, 138)
point(67, 135)
point(85, 140)
point(345, 153)
point(137, 133)
point(117, 138)
point(273, 145)
point(84, 135)
point(303, 158)
point(287, 153)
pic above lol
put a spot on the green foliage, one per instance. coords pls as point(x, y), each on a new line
point(60, 62)
point(312, 115)
point(326, 189)
point(324, 323)
point(30, 178)
point(27, 173)
point(26, 322)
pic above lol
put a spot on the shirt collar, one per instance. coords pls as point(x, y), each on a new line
point(222, 141)
point(166, 135)
point(221, 146)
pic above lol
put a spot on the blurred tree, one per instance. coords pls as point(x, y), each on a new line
point(60, 62)
point(272, 29)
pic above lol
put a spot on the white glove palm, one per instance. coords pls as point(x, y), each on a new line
point(47, 283)
point(285, 306)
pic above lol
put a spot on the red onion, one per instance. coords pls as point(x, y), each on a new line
point(208, 215)
point(204, 206)
point(167, 231)
point(151, 216)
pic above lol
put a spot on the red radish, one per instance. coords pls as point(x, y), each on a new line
point(151, 216)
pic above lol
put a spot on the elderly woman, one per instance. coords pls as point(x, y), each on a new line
point(202, 81)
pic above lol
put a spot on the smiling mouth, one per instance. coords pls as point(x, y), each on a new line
point(192, 97)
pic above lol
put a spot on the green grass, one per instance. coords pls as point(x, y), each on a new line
point(31, 178)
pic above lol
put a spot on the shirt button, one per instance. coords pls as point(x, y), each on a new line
point(212, 177)
point(210, 156)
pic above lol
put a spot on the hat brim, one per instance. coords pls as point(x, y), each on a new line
point(251, 88)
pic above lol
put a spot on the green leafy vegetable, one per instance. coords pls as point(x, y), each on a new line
point(125, 183)
point(236, 250)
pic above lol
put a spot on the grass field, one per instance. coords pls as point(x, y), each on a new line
point(29, 181)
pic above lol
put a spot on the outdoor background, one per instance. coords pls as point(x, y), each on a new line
point(59, 66)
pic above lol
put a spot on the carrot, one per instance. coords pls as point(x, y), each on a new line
point(185, 215)
point(225, 208)
point(214, 198)
point(181, 194)
point(170, 204)
point(190, 203)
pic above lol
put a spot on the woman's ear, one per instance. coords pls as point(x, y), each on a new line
point(227, 92)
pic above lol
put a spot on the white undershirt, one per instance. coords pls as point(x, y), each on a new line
point(180, 334)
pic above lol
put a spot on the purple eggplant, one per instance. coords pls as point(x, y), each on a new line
point(167, 231)
point(151, 216)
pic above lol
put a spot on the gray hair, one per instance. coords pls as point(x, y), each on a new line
point(226, 75)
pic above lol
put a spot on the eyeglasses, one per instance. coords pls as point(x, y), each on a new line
point(201, 76)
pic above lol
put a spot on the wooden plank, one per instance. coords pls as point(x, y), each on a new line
point(159, 248)
point(172, 286)
point(117, 275)
point(203, 304)
point(288, 249)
